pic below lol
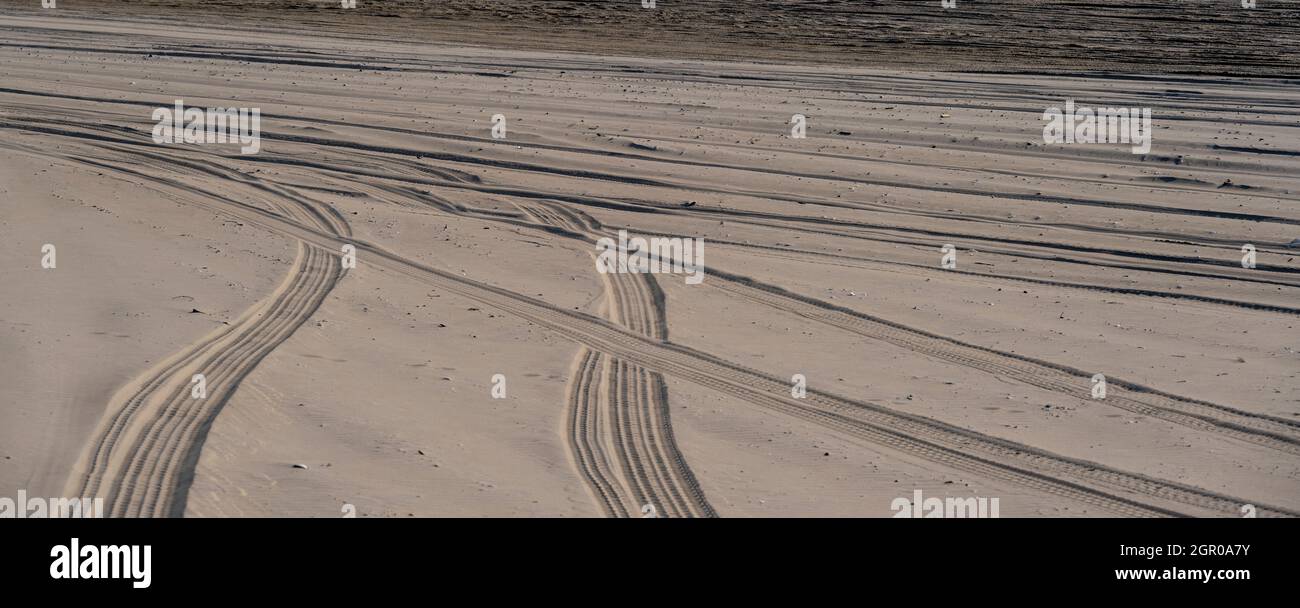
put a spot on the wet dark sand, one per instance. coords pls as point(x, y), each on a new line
point(1156, 36)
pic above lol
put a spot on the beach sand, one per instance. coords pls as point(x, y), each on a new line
point(476, 363)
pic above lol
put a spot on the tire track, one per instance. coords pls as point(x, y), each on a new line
point(584, 435)
point(653, 470)
point(142, 458)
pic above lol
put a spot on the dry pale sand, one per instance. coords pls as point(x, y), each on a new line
point(476, 257)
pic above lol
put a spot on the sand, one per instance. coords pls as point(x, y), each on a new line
point(374, 390)
point(1206, 37)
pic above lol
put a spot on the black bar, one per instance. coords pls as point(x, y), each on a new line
point(316, 558)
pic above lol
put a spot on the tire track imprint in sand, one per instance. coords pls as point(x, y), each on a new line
point(142, 458)
point(630, 417)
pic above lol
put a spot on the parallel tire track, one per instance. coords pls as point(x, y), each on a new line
point(635, 403)
point(141, 460)
point(583, 435)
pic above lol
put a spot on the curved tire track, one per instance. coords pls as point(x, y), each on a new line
point(142, 458)
point(635, 403)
